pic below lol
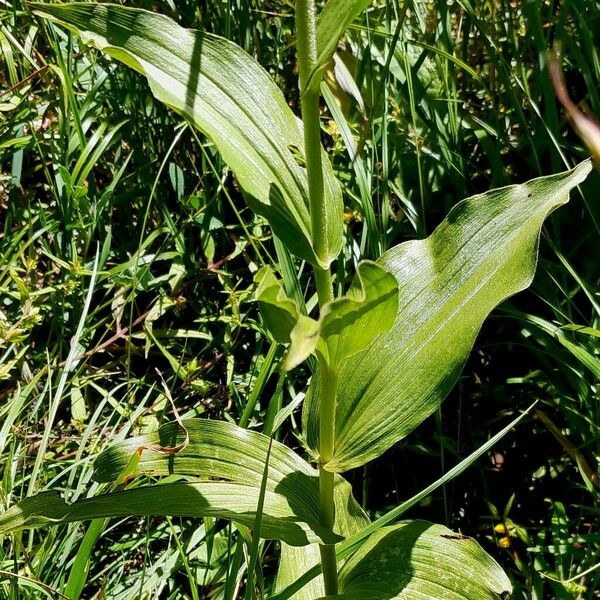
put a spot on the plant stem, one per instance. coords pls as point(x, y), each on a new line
point(324, 285)
point(328, 379)
point(309, 103)
point(329, 566)
point(312, 145)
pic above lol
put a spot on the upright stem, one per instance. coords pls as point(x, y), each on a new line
point(309, 102)
point(324, 285)
point(328, 379)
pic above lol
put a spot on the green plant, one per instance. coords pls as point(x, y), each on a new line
point(387, 351)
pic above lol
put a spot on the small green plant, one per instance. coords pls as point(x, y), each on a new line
point(386, 351)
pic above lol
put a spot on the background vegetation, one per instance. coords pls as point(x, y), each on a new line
point(451, 98)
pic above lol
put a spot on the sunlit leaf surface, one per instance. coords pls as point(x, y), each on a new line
point(228, 462)
point(483, 252)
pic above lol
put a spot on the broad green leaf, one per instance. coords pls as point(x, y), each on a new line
point(419, 560)
point(229, 97)
point(210, 449)
point(348, 325)
point(295, 561)
point(483, 252)
point(335, 18)
point(228, 462)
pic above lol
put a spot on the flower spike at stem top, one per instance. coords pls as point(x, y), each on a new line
point(307, 55)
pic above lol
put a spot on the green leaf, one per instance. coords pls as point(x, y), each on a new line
point(345, 326)
point(417, 559)
point(586, 358)
point(369, 308)
point(335, 18)
point(304, 339)
point(206, 499)
point(214, 450)
point(483, 252)
point(279, 312)
point(229, 97)
point(284, 320)
point(350, 545)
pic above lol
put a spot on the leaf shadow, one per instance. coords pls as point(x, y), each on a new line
point(385, 569)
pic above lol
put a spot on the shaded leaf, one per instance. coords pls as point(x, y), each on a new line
point(206, 499)
point(304, 339)
point(417, 559)
point(349, 546)
point(341, 83)
point(229, 97)
point(483, 252)
point(345, 326)
point(284, 320)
